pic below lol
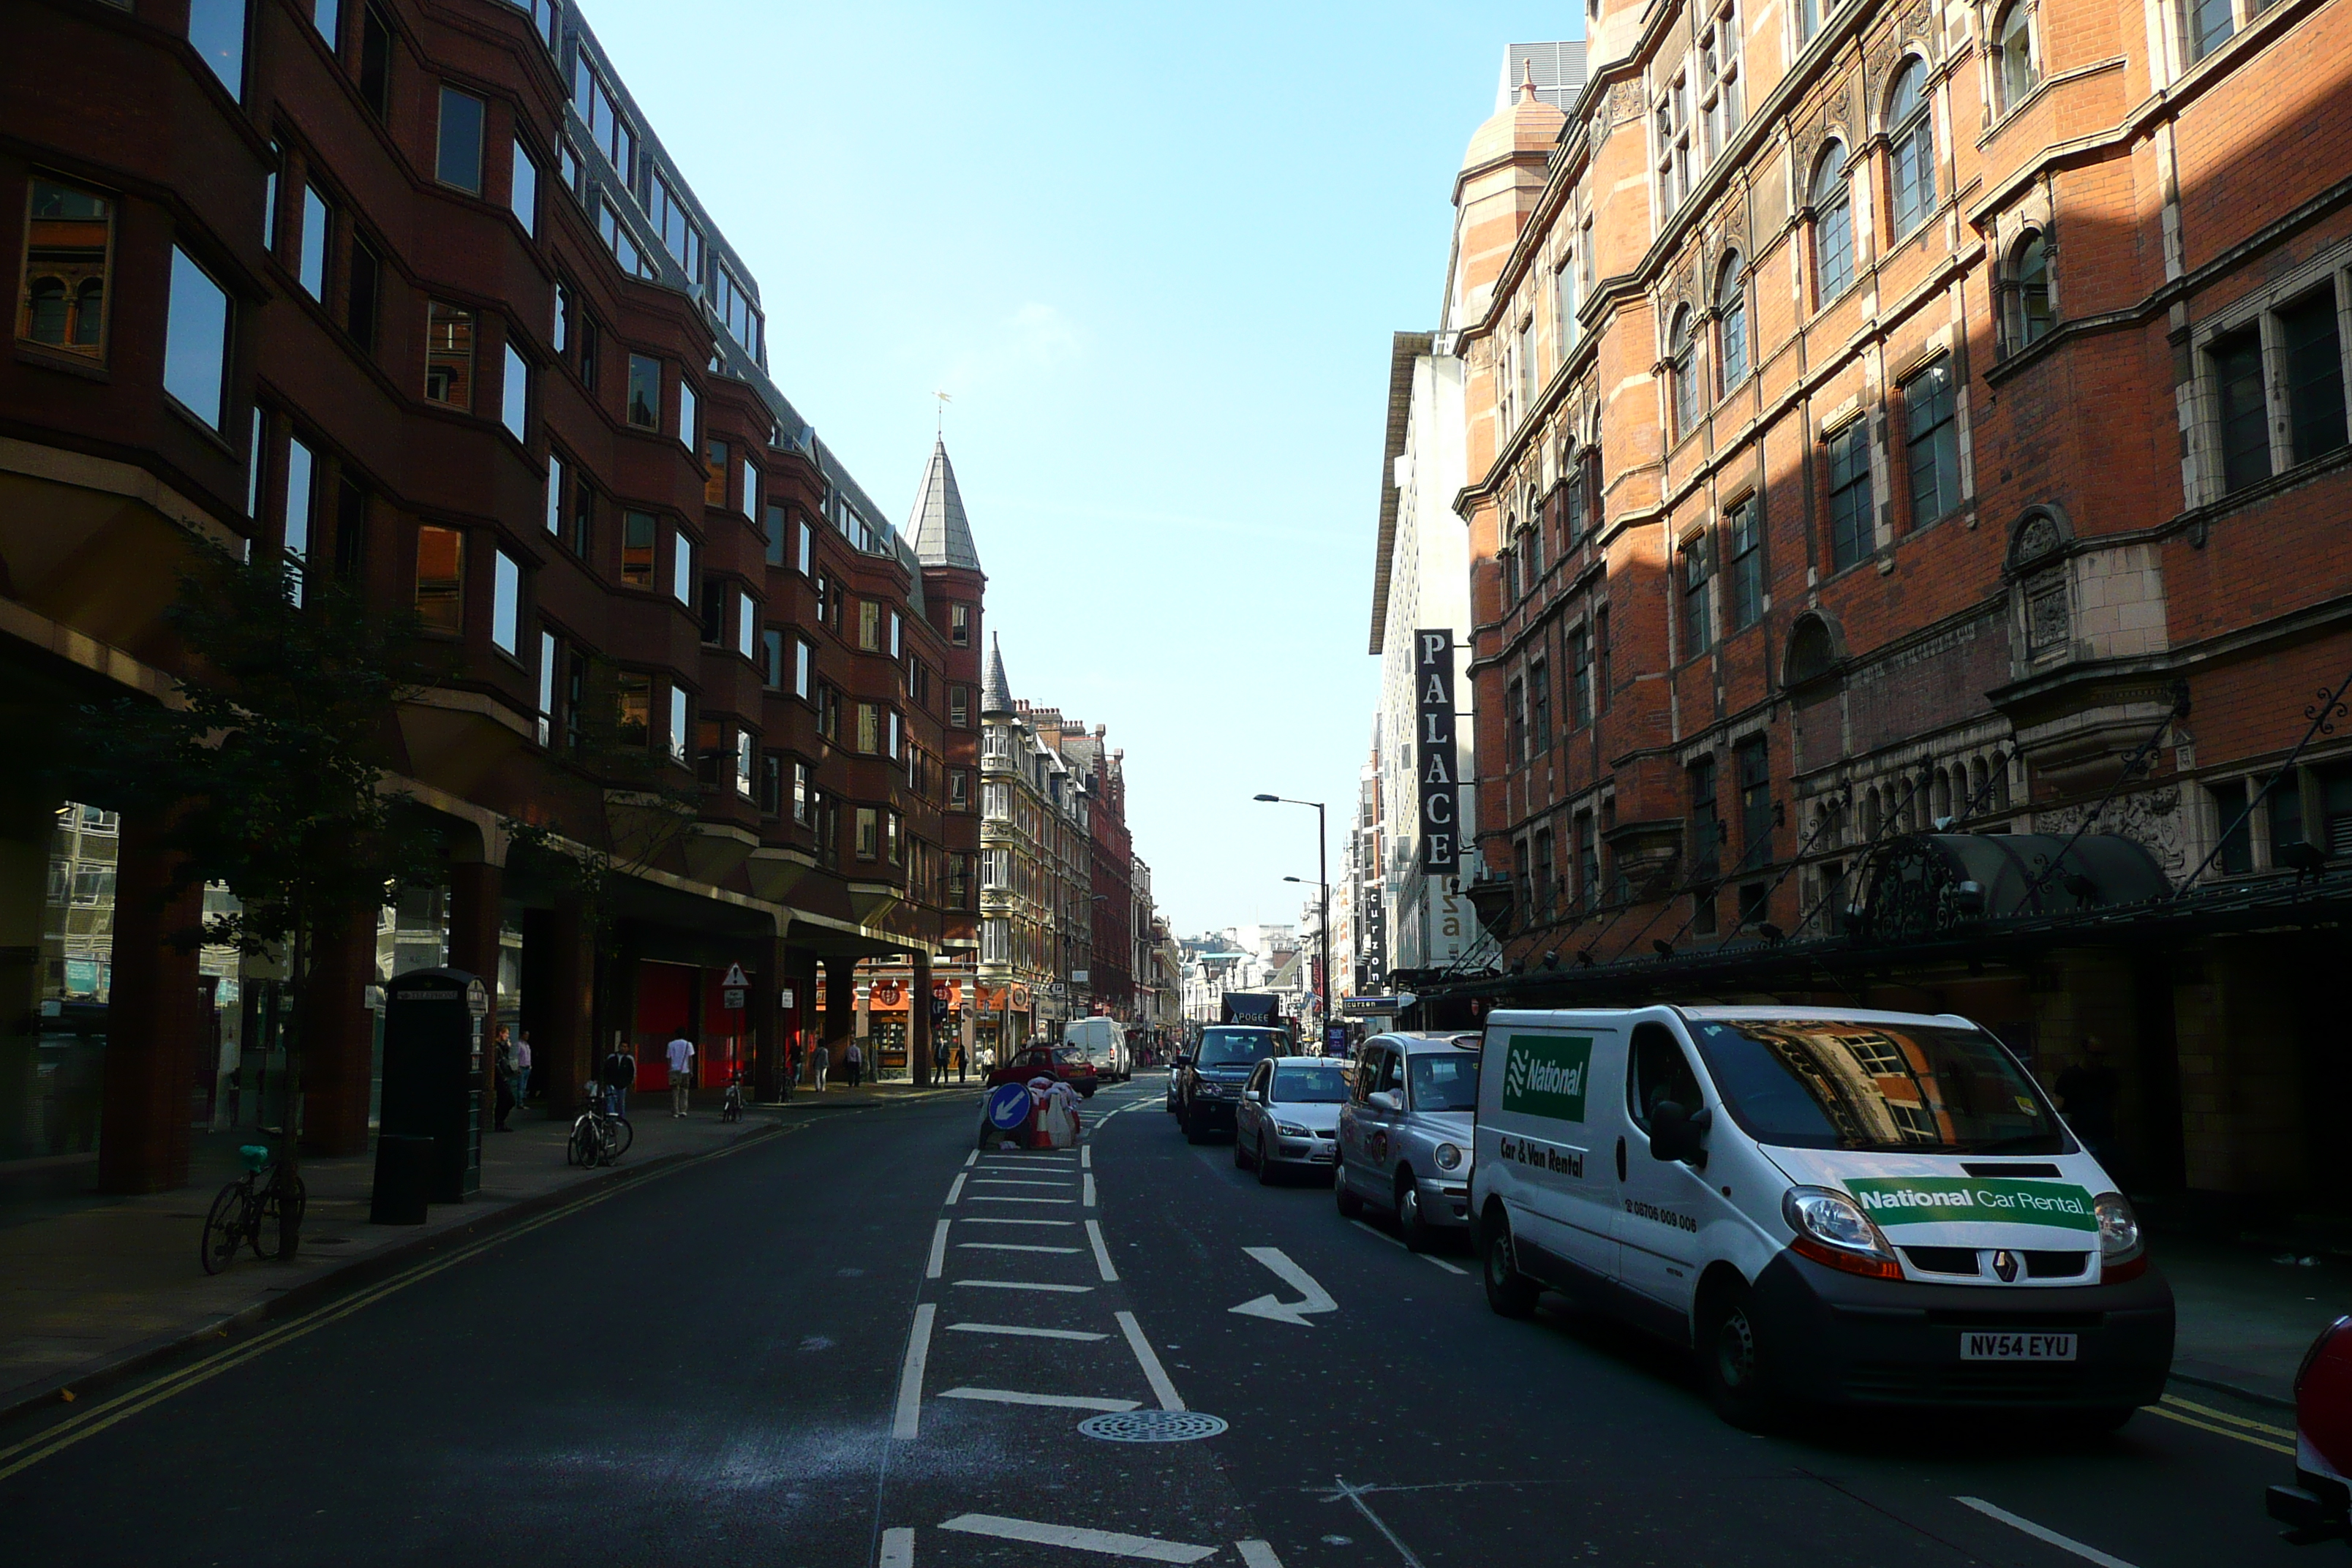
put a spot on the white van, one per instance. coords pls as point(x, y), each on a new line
point(1829, 1206)
point(1105, 1044)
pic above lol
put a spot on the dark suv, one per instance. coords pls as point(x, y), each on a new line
point(1209, 1081)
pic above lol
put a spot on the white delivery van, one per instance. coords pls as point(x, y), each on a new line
point(1828, 1206)
point(1105, 1044)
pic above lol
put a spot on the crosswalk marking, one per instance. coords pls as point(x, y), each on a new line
point(1057, 1401)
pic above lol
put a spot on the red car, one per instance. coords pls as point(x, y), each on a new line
point(1067, 1063)
point(2318, 1506)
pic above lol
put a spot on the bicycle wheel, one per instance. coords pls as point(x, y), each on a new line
point(282, 1202)
point(579, 1149)
point(227, 1225)
point(624, 1135)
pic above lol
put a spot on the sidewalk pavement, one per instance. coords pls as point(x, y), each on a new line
point(91, 1287)
point(2245, 1316)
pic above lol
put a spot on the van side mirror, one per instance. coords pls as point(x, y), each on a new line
point(1675, 1133)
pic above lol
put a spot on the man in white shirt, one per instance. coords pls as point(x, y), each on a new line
point(681, 1074)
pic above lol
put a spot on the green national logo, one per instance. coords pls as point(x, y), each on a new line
point(1948, 1200)
point(1544, 1075)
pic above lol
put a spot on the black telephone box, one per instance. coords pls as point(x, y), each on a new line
point(433, 1022)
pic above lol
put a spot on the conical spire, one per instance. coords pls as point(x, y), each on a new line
point(942, 537)
point(996, 693)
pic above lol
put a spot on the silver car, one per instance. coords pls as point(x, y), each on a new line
point(1289, 1115)
point(1405, 1133)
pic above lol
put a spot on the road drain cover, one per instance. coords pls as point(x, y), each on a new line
point(1152, 1426)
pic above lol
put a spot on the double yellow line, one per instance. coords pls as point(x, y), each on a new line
point(2205, 1418)
point(31, 1451)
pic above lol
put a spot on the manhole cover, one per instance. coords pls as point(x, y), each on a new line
point(1152, 1426)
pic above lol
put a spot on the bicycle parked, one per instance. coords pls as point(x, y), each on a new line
point(254, 1209)
point(599, 1136)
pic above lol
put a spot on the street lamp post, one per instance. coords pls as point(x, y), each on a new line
point(1323, 891)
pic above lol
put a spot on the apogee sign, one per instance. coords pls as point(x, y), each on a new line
point(1433, 756)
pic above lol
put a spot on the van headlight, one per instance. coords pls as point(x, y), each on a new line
point(2122, 1251)
point(1449, 1158)
point(1832, 1229)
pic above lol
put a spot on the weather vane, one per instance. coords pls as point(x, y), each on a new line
point(945, 398)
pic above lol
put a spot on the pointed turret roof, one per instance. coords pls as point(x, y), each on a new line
point(942, 536)
point(996, 695)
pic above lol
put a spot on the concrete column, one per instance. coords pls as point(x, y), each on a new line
point(336, 1035)
point(919, 1022)
point(559, 977)
point(840, 1006)
point(475, 889)
point(151, 1020)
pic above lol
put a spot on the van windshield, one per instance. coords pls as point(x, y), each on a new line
point(1236, 1048)
point(1914, 1088)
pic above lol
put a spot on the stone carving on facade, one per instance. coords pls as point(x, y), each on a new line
point(2152, 818)
point(2049, 624)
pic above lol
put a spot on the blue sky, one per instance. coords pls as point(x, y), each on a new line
point(1155, 254)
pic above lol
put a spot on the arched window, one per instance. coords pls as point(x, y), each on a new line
point(2030, 313)
point(90, 311)
point(1911, 145)
point(45, 310)
point(1871, 813)
point(1731, 322)
point(1941, 807)
point(1832, 227)
point(1683, 347)
point(2017, 71)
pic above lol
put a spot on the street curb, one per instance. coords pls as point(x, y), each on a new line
point(126, 1364)
point(2235, 1390)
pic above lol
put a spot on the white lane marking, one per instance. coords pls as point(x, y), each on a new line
point(956, 1191)
point(1109, 1543)
point(1315, 1299)
point(1256, 1554)
point(986, 1219)
point(971, 1158)
point(1026, 1333)
point(1029, 1162)
point(1102, 1253)
point(1449, 1268)
point(1368, 1230)
point(1087, 1157)
point(1023, 1285)
point(993, 1198)
point(938, 1252)
point(1010, 1247)
point(908, 1420)
point(898, 1550)
point(1089, 1189)
point(2042, 1533)
point(1013, 1182)
point(1356, 1495)
point(1056, 1401)
point(1153, 1372)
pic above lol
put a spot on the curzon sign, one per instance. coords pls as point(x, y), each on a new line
point(1433, 752)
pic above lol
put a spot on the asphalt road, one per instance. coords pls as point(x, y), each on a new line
point(861, 1343)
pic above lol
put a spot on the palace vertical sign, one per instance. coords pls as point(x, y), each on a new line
point(1441, 816)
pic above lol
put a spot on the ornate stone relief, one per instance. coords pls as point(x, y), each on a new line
point(2037, 537)
point(2153, 818)
point(2049, 624)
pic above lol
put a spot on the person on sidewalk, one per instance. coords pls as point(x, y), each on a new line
point(853, 1059)
point(820, 1063)
point(681, 1074)
point(620, 1076)
point(502, 1072)
point(523, 1067)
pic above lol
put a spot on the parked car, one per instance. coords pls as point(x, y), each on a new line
point(1209, 1084)
point(1289, 1115)
point(1105, 1045)
point(1067, 1063)
point(1831, 1206)
point(2318, 1506)
point(1405, 1134)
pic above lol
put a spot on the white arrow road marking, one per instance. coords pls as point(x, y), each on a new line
point(908, 1421)
point(899, 1549)
point(1058, 1401)
point(1109, 1543)
point(2043, 1533)
point(1153, 1372)
point(1102, 1253)
point(1317, 1299)
point(1026, 1333)
point(1028, 1285)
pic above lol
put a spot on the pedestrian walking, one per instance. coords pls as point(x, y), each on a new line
point(820, 1064)
point(681, 1074)
point(502, 1072)
point(963, 1054)
point(853, 1059)
point(620, 1076)
point(522, 1066)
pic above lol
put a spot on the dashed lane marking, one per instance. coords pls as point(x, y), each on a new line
point(1102, 1253)
point(968, 1161)
point(1013, 1182)
point(1023, 1285)
point(1027, 1333)
point(1108, 1543)
point(1089, 1190)
point(1087, 1157)
point(991, 1219)
point(993, 1198)
point(1256, 1554)
point(955, 1191)
point(1424, 1257)
point(898, 1550)
point(2042, 1533)
point(938, 1252)
point(906, 1422)
point(1153, 1372)
point(1054, 1401)
point(1007, 1246)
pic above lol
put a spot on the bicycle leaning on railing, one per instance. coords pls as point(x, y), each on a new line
point(599, 1136)
point(254, 1209)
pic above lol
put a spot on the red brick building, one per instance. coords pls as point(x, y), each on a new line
point(415, 293)
point(1907, 445)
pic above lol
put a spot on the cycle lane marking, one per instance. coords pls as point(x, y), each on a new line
point(2042, 1533)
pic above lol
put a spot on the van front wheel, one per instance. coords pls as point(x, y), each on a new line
point(1732, 1360)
